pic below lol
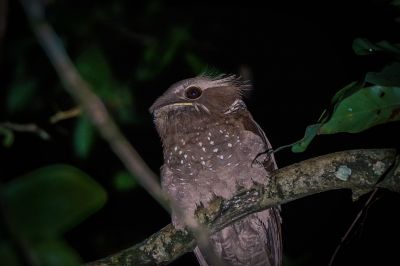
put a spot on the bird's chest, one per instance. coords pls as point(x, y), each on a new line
point(215, 160)
point(205, 149)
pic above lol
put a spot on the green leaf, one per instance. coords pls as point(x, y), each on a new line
point(366, 108)
point(311, 132)
point(177, 36)
point(49, 201)
point(363, 46)
point(84, 135)
point(124, 181)
point(345, 92)
point(389, 76)
point(56, 253)
point(20, 95)
point(395, 3)
point(94, 68)
point(160, 55)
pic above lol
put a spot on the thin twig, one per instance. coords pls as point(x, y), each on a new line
point(31, 128)
point(90, 102)
point(344, 238)
point(63, 115)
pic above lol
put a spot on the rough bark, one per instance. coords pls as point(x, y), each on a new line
point(358, 170)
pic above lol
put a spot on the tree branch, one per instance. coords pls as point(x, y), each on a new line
point(358, 170)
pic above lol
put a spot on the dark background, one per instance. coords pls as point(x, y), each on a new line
point(297, 54)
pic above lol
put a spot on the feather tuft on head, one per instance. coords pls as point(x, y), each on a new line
point(233, 80)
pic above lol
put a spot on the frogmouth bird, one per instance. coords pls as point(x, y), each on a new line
point(213, 148)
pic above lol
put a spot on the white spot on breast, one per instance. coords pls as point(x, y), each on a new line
point(200, 144)
point(226, 136)
point(228, 164)
point(185, 155)
point(229, 145)
point(209, 133)
point(204, 149)
point(230, 155)
point(215, 150)
point(221, 131)
point(176, 148)
point(211, 142)
point(201, 158)
point(203, 162)
point(221, 157)
point(190, 173)
point(181, 161)
point(180, 152)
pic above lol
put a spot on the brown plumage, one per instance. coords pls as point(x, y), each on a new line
point(213, 148)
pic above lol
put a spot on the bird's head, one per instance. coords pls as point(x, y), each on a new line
point(197, 99)
point(212, 95)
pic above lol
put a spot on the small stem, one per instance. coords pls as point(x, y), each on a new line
point(63, 115)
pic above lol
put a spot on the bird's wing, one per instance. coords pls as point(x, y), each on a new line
point(251, 125)
point(272, 219)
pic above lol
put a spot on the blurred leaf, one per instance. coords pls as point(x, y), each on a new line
point(83, 136)
point(363, 46)
point(177, 36)
point(161, 54)
point(49, 253)
point(21, 95)
point(124, 106)
point(47, 202)
point(124, 181)
point(195, 63)
point(7, 254)
point(389, 76)
point(311, 132)
point(395, 3)
point(56, 253)
point(8, 134)
point(364, 109)
point(94, 68)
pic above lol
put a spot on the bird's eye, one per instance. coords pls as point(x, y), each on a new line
point(193, 93)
